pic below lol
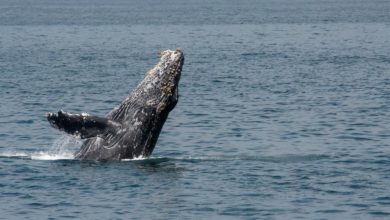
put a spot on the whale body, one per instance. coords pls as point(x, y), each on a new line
point(131, 129)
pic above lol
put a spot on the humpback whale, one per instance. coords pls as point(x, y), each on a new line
point(131, 129)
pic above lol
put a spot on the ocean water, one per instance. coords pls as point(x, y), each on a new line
point(283, 110)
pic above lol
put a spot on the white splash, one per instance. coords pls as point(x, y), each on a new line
point(52, 156)
point(62, 149)
point(13, 154)
point(41, 155)
point(135, 158)
point(85, 114)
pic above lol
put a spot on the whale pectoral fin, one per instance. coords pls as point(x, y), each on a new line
point(81, 125)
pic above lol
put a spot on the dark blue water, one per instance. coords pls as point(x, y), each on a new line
point(283, 110)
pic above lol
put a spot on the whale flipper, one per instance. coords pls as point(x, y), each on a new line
point(82, 125)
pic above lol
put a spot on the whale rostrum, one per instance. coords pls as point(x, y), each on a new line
point(131, 129)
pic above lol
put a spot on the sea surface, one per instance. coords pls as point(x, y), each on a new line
point(284, 109)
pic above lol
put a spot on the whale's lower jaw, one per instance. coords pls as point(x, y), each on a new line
point(131, 129)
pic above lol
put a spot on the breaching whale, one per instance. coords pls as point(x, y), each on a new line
point(131, 129)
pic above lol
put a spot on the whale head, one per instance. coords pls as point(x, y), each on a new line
point(162, 82)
